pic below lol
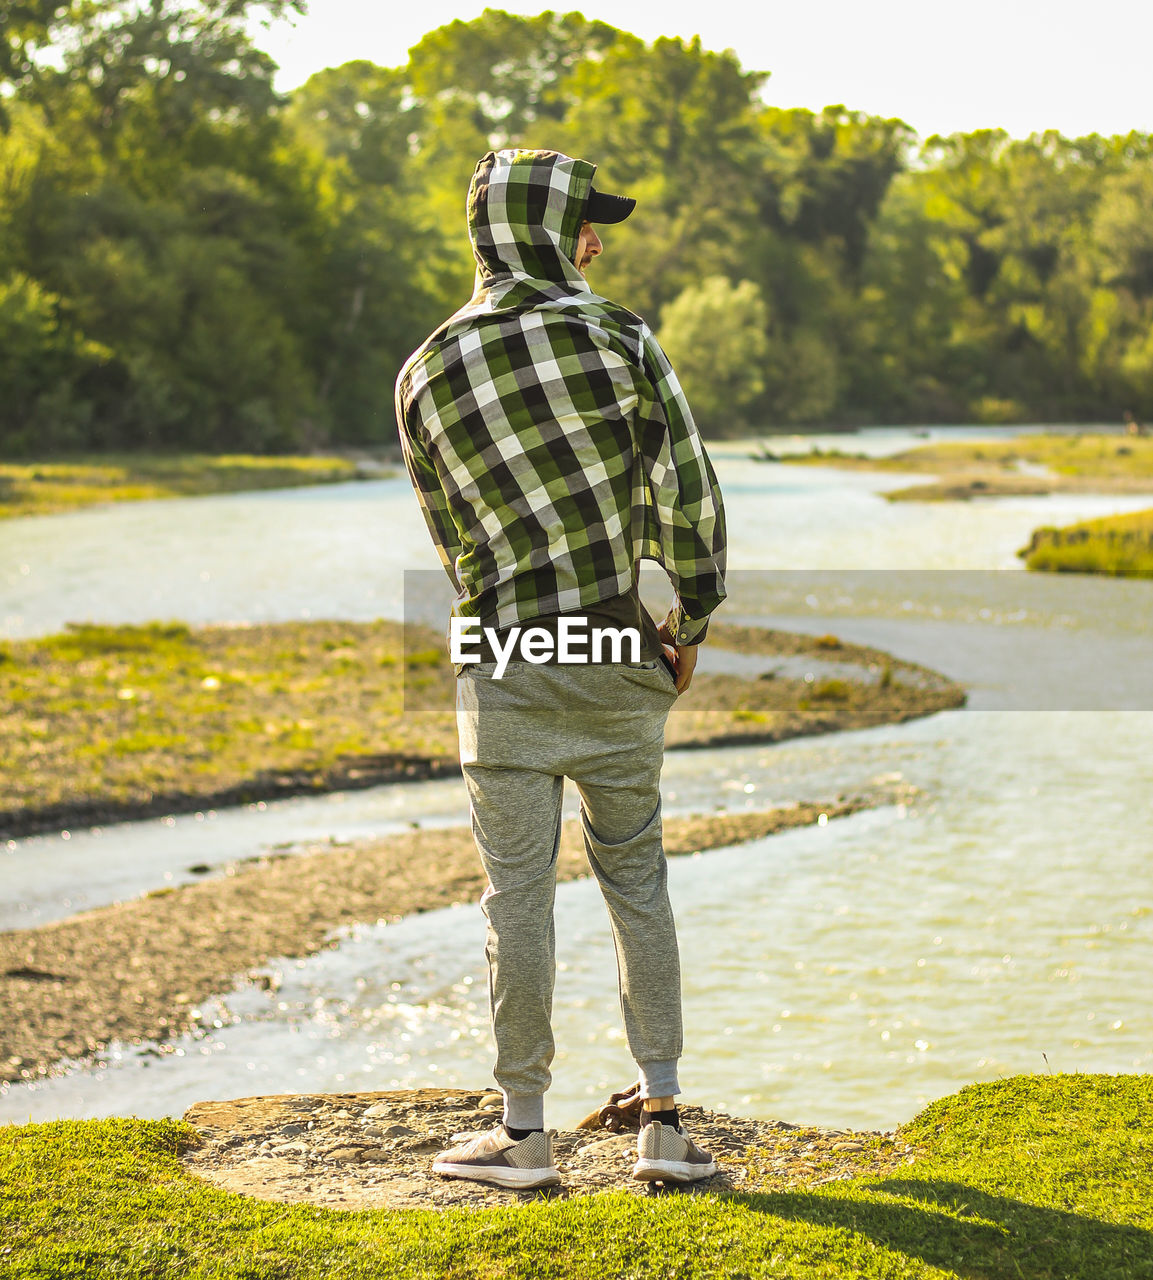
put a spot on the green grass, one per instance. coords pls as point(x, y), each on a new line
point(1030, 1178)
point(1117, 545)
point(1091, 456)
point(1100, 457)
point(40, 488)
point(101, 722)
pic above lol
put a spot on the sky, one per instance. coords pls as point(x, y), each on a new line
point(941, 66)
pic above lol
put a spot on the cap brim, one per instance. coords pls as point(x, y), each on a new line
point(601, 207)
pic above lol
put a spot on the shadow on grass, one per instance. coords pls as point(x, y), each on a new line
point(976, 1234)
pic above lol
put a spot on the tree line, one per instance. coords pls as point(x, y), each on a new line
point(189, 259)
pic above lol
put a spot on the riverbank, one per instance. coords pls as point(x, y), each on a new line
point(1024, 465)
point(138, 970)
point(46, 487)
point(1031, 1176)
point(1118, 545)
point(106, 724)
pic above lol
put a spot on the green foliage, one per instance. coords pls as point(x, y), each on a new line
point(510, 74)
point(1032, 1176)
point(823, 176)
point(87, 640)
point(675, 126)
point(43, 361)
point(23, 29)
point(188, 259)
point(832, 690)
point(715, 335)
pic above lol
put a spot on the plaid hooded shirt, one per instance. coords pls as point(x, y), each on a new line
point(547, 438)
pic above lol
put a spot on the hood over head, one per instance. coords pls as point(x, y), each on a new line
point(525, 210)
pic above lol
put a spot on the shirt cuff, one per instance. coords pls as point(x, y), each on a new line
point(686, 630)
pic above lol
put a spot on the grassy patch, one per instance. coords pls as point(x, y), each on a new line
point(103, 723)
point(39, 488)
point(1118, 545)
point(1028, 465)
point(1093, 456)
point(1030, 1178)
point(1090, 456)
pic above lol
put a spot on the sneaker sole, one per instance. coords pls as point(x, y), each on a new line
point(647, 1170)
point(499, 1175)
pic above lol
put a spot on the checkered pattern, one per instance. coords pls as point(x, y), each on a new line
point(543, 428)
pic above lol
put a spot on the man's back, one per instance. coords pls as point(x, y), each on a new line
point(545, 433)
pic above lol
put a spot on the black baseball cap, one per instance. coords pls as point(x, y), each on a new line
point(601, 207)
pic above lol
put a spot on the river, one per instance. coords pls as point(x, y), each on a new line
point(842, 975)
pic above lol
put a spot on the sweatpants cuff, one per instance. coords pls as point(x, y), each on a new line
point(524, 1110)
point(659, 1079)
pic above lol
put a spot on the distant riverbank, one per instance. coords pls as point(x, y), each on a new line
point(68, 484)
point(1031, 466)
point(1023, 465)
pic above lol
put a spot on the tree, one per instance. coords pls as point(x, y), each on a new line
point(1123, 241)
point(187, 257)
point(158, 212)
point(822, 177)
point(510, 74)
point(673, 125)
point(24, 30)
point(43, 362)
point(714, 334)
point(390, 269)
point(363, 115)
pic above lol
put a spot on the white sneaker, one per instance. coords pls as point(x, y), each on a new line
point(495, 1157)
point(665, 1154)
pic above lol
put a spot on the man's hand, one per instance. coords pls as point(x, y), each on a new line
point(683, 657)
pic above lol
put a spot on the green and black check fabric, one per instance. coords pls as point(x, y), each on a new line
point(543, 428)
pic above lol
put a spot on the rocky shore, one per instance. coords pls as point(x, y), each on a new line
point(374, 1150)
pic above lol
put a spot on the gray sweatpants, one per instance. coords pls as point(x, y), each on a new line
point(520, 737)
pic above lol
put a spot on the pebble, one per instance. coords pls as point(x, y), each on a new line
point(345, 1155)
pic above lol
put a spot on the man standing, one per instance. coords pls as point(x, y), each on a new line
point(552, 450)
